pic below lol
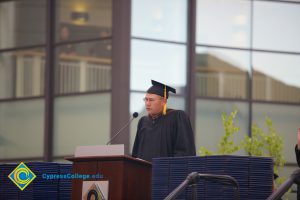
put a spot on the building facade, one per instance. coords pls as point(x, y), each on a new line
point(72, 72)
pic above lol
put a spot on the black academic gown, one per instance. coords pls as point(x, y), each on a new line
point(297, 151)
point(166, 136)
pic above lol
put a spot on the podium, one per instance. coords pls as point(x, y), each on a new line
point(127, 177)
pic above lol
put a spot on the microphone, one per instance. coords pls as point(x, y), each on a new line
point(134, 115)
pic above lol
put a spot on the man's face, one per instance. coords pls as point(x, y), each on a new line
point(154, 104)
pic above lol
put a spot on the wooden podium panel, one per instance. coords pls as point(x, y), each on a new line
point(129, 178)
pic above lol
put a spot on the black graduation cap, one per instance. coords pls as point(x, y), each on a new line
point(160, 89)
point(275, 176)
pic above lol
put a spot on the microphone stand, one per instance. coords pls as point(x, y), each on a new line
point(134, 115)
point(194, 177)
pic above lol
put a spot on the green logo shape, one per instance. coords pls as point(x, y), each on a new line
point(22, 176)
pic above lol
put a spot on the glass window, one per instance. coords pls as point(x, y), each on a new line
point(22, 23)
point(136, 105)
point(21, 129)
point(276, 77)
point(223, 22)
point(22, 73)
point(163, 20)
point(80, 19)
point(81, 120)
point(209, 126)
point(222, 73)
point(276, 26)
point(83, 67)
point(286, 121)
point(162, 62)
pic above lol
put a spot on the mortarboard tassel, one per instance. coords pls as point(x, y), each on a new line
point(165, 98)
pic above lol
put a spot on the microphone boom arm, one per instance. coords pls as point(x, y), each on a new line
point(135, 115)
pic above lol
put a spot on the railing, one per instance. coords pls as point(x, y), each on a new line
point(267, 88)
point(221, 85)
point(82, 76)
point(194, 177)
point(29, 76)
point(234, 85)
point(74, 74)
point(285, 186)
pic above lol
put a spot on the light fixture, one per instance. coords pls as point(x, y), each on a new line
point(79, 16)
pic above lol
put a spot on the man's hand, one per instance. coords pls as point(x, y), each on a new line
point(298, 139)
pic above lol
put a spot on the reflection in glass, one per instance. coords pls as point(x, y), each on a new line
point(21, 129)
point(22, 73)
point(83, 19)
point(221, 73)
point(163, 20)
point(223, 22)
point(83, 67)
point(209, 128)
point(81, 120)
point(276, 77)
point(22, 23)
point(276, 26)
point(286, 121)
point(162, 62)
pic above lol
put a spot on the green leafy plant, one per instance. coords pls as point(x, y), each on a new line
point(226, 144)
point(267, 144)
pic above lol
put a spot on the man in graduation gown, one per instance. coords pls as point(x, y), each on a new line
point(297, 148)
point(164, 132)
point(297, 151)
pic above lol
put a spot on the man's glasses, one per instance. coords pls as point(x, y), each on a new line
point(150, 100)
